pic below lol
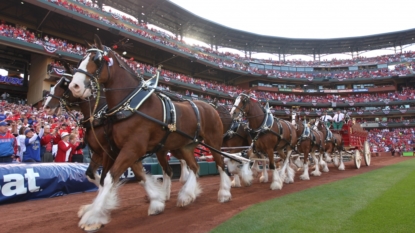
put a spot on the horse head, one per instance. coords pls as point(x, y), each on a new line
point(242, 105)
point(93, 68)
point(58, 97)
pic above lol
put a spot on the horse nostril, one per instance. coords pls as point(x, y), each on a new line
point(76, 86)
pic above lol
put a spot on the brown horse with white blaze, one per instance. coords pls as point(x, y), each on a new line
point(333, 142)
point(309, 141)
point(61, 97)
point(144, 121)
point(235, 136)
point(269, 134)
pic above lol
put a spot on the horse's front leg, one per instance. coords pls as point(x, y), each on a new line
point(316, 171)
point(91, 171)
point(233, 170)
point(305, 175)
point(287, 172)
point(323, 163)
point(277, 182)
point(167, 172)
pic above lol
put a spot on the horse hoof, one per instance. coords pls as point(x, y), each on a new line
point(224, 199)
point(83, 209)
point(262, 180)
point(185, 202)
point(92, 227)
point(155, 213)
point(248, 184)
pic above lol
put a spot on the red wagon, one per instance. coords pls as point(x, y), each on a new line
point(356, 143)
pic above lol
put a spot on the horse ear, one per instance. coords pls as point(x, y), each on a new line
point(88, 45)
point(98, 42)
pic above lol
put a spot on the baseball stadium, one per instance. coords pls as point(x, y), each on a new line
point(150, 116)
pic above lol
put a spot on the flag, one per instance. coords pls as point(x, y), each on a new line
point(351, 103)
point(166, 79)
point(59, 71)
point(318, 113)
point(288, 112)
point(203, 88)
point(340, 78)
point(314, 104)
point(402, 110)
point(115, 16)
point(50, 49)
point(310, 78)
point(387, 101)
point(284, 102)
point(386, 111)
point(360, 112)
point(307, 113)
point(384, 123)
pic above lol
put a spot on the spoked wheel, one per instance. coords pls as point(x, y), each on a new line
point(357, 158)
point(366, 151)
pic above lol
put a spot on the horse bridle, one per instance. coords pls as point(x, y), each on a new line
point(63, 100)
point(244, 101)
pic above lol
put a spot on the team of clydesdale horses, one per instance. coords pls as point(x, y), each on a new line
point(127, 118)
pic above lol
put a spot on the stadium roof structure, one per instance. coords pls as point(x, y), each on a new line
point(169, 16)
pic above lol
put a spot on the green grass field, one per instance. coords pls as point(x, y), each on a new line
point(382, 200)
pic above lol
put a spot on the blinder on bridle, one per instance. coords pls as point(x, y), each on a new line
point(99, 54)
point(64, 84)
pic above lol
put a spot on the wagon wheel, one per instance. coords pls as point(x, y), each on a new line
point(357, 158)
point(366, 151)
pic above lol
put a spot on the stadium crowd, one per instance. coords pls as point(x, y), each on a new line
point(27, 134)
point(92, 10)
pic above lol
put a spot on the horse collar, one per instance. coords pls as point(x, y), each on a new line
point(134, 100)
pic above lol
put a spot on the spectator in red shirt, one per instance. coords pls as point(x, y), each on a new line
point(77, 146)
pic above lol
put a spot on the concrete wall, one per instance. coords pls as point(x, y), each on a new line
point(38, 73)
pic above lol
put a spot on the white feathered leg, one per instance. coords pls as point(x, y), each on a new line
point(99, 211)
point(323, 164)
point(246, 174)
point(224, 193)
point(234, 170)
point(276, 180)
point(156, 194)
point(236, 182)
point(189, 191)
point(167, 184)
point(305, 175)
point(255, 169)
point(327, 157)
point(316, 171)
point(184, 171)
point(87, 207)
point(264, 176)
